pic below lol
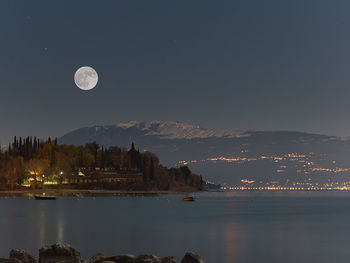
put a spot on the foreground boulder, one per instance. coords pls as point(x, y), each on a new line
point(122, 259)
point(10, 260)
point(64, 253)
point(192, 258)
point(147, 258)
point(98, 258)
point(59, 253)
point(168, 260)
point(22, 256)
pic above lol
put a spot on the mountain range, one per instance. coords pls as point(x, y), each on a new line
point(232, 157)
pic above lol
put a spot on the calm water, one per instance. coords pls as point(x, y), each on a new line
point(222, 227)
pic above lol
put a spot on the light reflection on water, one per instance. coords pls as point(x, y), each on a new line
point(222, 227)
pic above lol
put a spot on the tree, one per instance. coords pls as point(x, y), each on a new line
point(151, 170)
point(36, 168)
point(144, 168)
point(134, 158)
point(63, 168)
point(186, 171)
point(93, 149)
point(12, 168)
point(52, 158)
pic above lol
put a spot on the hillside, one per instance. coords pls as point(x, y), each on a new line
point(33, 163)
point(233, 157)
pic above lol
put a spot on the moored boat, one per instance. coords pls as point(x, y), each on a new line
point(45, 197)
point(188, 198)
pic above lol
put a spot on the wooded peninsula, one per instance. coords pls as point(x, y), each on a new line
point(30, 163)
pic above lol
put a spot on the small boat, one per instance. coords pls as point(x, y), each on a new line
point(188, 198)
point(44, 197)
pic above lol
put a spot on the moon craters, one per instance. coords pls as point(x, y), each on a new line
point(86, 78)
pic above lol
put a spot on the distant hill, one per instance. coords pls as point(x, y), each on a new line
point(233, 157)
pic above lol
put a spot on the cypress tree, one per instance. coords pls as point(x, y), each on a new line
point(35, 145)
point(53, 158)
point(20, 145)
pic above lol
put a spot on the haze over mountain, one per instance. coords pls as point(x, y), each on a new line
point(233, 157)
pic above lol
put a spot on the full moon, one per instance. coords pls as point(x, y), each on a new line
point(85, 78)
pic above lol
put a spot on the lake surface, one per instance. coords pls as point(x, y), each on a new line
point(228, 227)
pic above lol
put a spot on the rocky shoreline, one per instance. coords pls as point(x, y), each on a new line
point(64, 253)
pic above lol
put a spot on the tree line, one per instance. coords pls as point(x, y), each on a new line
point(34, 160)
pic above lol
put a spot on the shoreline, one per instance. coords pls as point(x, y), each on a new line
point(87, 192)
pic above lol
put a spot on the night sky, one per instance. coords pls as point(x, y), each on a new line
point(264, 65)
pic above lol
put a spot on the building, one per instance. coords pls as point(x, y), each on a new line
point(104, 176)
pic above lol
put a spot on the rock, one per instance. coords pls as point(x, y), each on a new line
point(147, 258)
point(10, 260)
point(59, 253)
point(192, 258)
point(98, 258)
point(168, 260)
point(122, 259)
point(22, 255)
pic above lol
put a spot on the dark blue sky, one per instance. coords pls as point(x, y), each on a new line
point(219, 64)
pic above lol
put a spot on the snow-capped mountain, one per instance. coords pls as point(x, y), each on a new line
point(146, 134)
point(227, 155)
point(171, 130)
